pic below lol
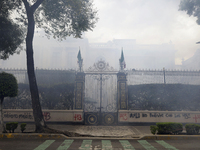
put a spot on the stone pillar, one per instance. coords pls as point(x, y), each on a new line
point(122, 91)
point(79, 90)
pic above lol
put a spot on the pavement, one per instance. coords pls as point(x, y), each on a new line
point(96, 132)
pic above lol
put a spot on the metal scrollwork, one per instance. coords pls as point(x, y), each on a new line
point(101, 77)
point(111, 107)
point(90, 107)
point(101, 66)
point(101, 88)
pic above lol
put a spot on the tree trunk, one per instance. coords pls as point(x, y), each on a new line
point(1, 115)
point(37, 112)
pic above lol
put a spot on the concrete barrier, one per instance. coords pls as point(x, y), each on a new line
point(124, 116)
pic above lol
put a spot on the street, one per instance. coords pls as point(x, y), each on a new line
point(97, 144)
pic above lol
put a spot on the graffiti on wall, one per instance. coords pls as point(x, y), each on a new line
point(124, 116)
point(153, 116)
point(24, 115)
point(77, 117)
point(196, 117)
point(47, 116)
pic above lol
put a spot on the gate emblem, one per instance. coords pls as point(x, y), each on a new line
point(91, 118)
point(101, 65)
point(109, 119)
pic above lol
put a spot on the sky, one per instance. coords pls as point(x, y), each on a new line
point(148, 22)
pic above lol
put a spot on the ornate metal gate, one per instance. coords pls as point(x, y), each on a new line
point(100, 92)
point(100, 103)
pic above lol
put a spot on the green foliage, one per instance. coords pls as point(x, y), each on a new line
point(8, 85)
point(153, 129)
point(23, 127)
point(11, 34)
point(191, 7)
point(11, 37)
point(169, 128)
point(52, 77)
point(59, 96)
point(11, 126)
point(21, 101)
point(192, 128)
point(66, 17)
point(8, 126)
point(171, 97)
point(60, 18)
point(6, 7)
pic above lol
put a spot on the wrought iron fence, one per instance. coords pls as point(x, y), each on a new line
point(44, 76)
point(136, 77)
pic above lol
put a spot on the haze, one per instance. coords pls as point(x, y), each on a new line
point(153, 24)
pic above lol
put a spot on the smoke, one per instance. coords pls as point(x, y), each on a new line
point(192, 7)
point(149, 23)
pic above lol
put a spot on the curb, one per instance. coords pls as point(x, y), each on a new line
point(59, 136)
point(170, 137)
point(31, 135)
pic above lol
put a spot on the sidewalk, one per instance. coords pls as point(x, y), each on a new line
point(113, 132)
point(95, 131)
point(105, 131)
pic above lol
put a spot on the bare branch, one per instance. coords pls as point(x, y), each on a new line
point(198, 42)
point(26, 4)
point(36, 4)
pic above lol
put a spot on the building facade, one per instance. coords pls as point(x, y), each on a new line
point(52, 54)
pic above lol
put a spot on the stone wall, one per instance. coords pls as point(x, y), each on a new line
point(124, 116)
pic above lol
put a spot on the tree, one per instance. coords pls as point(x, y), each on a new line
point(192, 8)
point(59, 18)
point(8, 88)
point(11, 35)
